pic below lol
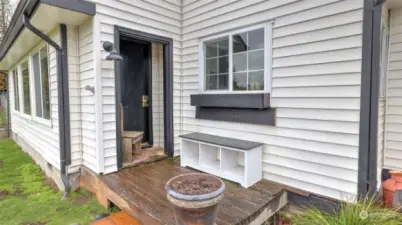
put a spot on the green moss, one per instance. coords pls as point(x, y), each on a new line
point(3, 117)
point(30, 200)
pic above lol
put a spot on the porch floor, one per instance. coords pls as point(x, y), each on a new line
point(140, 192)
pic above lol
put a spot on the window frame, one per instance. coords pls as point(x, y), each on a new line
point(26, 59)
point(229, 34)
point(35, 117)
point(16, 90)
point(17, 69)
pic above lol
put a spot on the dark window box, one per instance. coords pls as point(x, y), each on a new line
point(243, 101)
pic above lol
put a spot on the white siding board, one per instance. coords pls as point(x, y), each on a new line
point(315, 88)
point(147, 7)
point(327, 80)
point(393, 133)
point(342, 55)
point(75, 99)
point(161, 18)
point(319, 46)
point(305, 134)
point(299, 182)
point(320, 23)
point(87, 77)
point(45, 138)
point(318, 158)
point(319, 92)
point(316, 168)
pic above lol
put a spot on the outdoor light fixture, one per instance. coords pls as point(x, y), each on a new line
point(378, 2)
point(113, 55)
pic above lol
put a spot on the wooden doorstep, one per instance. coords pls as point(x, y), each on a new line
point(144, 156)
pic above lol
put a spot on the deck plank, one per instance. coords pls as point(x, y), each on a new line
point(144, 187)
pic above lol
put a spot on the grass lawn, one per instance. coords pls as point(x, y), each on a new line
point(27, 199)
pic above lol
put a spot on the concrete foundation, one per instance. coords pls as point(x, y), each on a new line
point(46, 167)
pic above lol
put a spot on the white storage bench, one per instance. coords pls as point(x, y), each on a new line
point(232, 159)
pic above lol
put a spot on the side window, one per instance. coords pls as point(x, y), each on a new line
point(41, 78)
point(248, 61)
point(217, 65)
point(237, 61)
point(26, 87)
point(16, 91)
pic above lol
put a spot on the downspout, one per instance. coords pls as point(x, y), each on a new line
point(8, 105)
point(63, 99)
point(368, 130)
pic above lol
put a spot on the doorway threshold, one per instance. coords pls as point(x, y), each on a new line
point(145, 156)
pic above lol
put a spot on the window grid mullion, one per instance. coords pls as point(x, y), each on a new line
point(247, 44)
point(217, 66)
point(230, 74)
point(267, 46)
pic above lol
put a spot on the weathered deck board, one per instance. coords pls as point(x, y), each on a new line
point(143, 187)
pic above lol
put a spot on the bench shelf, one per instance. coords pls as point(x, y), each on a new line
point(243, 166)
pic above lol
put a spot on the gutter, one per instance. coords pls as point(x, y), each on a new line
point(368, 130)
point(8, 107)
point(28, 7)
point(63, 99)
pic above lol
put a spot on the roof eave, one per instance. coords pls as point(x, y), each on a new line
point(28, 7)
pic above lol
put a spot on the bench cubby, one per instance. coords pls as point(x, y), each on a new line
point(232, 159)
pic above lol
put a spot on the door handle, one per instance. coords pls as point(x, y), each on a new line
point(144, 101)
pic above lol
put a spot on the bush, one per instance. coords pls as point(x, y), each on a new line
point(366, 211)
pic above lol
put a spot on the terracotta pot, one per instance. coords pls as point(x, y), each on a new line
point(390, 186)
point(195, 209)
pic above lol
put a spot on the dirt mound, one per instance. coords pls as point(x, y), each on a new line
point(3, 194)
point(194, 187)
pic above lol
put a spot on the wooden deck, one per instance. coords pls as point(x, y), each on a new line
point(140, 192)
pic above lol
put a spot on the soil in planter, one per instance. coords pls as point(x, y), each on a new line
point(194, 187)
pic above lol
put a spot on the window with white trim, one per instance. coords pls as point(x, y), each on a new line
point(26, 87)
point(41, 79)
point(237, 61)
point(16, 91)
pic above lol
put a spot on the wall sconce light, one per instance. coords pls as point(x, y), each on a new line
point(378, 2)
point(113, 55)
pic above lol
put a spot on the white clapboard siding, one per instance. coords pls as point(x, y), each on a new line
point(381, 113)
point(158, 17)
point(380, 138)
point(75, 99)
point(393, 131)
point(87, 99)
point(317, 47)
point(43, 138)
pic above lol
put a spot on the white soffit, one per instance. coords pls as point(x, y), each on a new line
point(46, 18)
point(393, 4)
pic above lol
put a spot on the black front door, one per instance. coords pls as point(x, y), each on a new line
point(135, 87)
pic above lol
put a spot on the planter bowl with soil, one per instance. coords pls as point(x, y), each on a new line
point(195, 197)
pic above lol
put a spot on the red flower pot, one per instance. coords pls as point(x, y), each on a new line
point(390, 186)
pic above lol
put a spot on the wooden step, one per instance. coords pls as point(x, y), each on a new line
point(145, 156)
